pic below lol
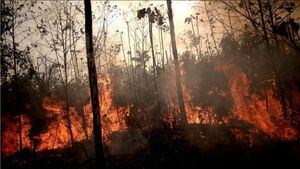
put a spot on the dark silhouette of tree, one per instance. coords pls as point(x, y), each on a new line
point(154, 16)
point(12, 58)
point(61, 34)
point(177, 70)
point(93, 84)
point(270, 19)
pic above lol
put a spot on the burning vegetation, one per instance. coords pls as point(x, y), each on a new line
point(230, 97)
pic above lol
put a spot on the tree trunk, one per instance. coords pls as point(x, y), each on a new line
point(263, 21)
point(153, 57)
point(162, 49)
point(93, 85)
point(211, 29)
point(197, 25)
point(16, 80)
point(131, 66)
point(272, 22)
point(177, 71)
point(67, 99)
point(79, 102)
point(231, 27)
point(67, 108)
point(127, 69)
point(196, 45)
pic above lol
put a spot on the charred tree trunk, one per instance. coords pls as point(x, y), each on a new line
point(131, 66)
point(263, 21)
point(198, 35)
point(67, 99)
point(272, 22)
point(153, 57)
point(231, 27)
point(211, 28)
point(16, 89)
point(162, 49)
point(177, 71)
point(80, 105)
point(93, 85)
point(126, 67)
point(67, 108)
point(16, 80)
point(195, 37)
point(281, 94)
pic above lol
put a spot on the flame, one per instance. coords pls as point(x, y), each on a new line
point(195, 113)
point(249, 107)
point(58, 136)
point(10, 134)
point(58, 132)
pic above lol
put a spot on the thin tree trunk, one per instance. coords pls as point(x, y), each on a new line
point(144, 62)
point(64, 40)
point(16, 80)
point(67, 98)
point(197, 25)
point(16, 94)
point(267, 101)
point(80, 106)
point(272, 22)
point(177, 71)
point(208, 49)
point(153, 57)
point(162, 50)
point(167, 58)
point(211, 28)
point(196, 45)
point(263, 21)
point(131, 63)
point(93, 85)
point(231, 27)
point(126, 66)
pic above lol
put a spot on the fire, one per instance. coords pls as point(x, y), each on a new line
point(196, 114)
point(58, 135)
point(266, 117)
point(249, 107)
point(113, 119)
point(10, 134)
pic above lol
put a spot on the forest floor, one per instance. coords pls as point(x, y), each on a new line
point(164, 149)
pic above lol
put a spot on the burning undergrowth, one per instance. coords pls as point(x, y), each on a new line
point(218, 100)
point(235, 103)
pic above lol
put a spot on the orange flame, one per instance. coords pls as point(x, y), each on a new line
point(249, 107)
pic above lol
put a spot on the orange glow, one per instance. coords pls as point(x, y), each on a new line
point(57, 135)
point(247, 107)
point(250, 108)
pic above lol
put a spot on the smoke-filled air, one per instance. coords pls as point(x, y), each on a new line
point(164, 84)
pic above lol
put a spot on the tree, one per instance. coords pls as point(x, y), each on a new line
point(153, 16)
point(93, 84)
point(61, 31)
point(270, 19)
point(176, 62)
point(13, 17)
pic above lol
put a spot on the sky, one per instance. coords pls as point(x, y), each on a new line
point(181, 10)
